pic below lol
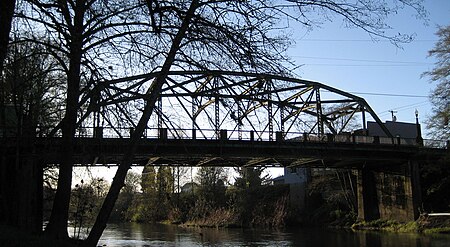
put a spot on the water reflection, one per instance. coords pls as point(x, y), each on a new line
point(142, 235)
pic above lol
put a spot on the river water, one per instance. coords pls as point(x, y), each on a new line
point(140, 235)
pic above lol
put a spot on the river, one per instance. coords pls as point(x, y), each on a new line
point(142, 235)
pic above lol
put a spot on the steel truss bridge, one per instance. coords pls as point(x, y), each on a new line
point(222, 118)
point(239, 102)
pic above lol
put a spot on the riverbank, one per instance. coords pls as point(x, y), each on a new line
point(13, 237)
point(427, 224)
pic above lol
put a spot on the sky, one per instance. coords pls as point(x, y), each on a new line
point(350, 60)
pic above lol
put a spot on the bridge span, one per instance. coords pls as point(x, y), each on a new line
point(303, 150)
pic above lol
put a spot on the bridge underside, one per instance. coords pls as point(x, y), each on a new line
point(229, 153)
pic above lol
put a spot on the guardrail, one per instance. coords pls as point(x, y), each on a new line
point(210, 134)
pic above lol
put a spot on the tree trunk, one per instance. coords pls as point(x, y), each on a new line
point(57, 226)
point(119, 178)
point(6, 16)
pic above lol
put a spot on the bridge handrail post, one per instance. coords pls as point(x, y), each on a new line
point(279, 136)
point(131, 131)
point(162, 133)
point(252, 135)
point(98, 132)
point(223, 135)
point(194, 134)
point(330, 137)
point(376, 140)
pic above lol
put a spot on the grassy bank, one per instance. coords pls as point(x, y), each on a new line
point(425, 224)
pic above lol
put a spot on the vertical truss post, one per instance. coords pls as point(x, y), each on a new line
point(269, 109)
point(194, 118)
point(216, 107)
point(239, 123)
point(363, 112)
point(98, 117)
point(282, 120)
point(97, 131)
point(159, 115)
point(320, 130)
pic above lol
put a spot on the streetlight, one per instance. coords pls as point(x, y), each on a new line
point(419, 138)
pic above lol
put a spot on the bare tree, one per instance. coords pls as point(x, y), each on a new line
point(92, 38)
point(80, 35)
point(29, 81)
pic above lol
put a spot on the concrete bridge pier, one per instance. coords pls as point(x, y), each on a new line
point(392, 193)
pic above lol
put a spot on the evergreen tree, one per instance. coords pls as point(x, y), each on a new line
point(165, 183)
point(148, 181)
point(438, 123)
point(212, 185)
point(250, 177)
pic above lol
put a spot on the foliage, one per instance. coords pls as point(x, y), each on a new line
point(267, 206)
point(32, 84)
point(249, 177)
point(437, 230)
point(123, 209)
point(148, 181)
point(438, 122)
point(165, 185)
point(153, 204)
point(435, 183)
point(331, 198)
point(336, 187)
point(85, 202)
point(212, 185)
point(388, 226)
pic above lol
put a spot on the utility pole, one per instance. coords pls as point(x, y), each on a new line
point(394, 118)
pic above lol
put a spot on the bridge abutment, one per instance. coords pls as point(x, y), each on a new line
point(393, 193)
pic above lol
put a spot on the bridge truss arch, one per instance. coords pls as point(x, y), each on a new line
point(202, 104)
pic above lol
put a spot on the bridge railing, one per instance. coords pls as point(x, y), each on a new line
point(210, 134)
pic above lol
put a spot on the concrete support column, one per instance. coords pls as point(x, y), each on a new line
point(367, 195)
point(391, 194)
point(415, 187)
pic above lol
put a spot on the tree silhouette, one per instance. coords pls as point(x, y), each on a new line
point(438, 123)
point(101, 39)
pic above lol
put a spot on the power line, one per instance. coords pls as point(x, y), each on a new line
point(362, 40)
point(364, 65)
point(364, 60)
point(405, 107)
point(392, 95)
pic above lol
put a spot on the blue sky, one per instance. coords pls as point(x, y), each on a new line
point(350, 60)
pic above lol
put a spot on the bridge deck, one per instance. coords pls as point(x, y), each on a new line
point(192, 152)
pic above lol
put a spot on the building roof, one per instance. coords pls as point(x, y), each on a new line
point(400, 129)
